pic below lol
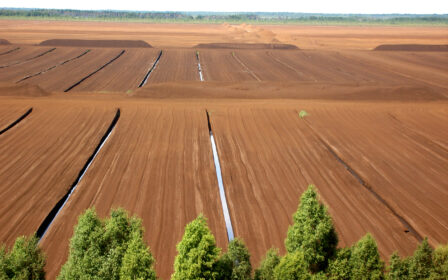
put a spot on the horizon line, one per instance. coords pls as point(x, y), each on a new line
point(222, 12)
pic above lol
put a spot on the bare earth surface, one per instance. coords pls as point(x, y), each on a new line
point(374, 142)
point(269, 157)
point(10, 114)
point(128, 173)
point(47, 142)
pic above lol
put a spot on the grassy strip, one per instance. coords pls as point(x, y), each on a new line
point(291, 21)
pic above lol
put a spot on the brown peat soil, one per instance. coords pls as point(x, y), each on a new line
point(374, 142)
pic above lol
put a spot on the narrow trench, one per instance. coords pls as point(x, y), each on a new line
point(94, 72)
point(357, 176)
point(45, 225)
point(14, 123)
point(10, 51)
point(222, 193)
point(52, 67)
point(28, 59)
point(199, 67)
point(146, 78)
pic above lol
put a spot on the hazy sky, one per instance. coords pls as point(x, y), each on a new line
point(318, 6)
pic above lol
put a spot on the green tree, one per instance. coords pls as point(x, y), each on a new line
point(24, 261)
point(3, 263)
point(108, 249)
point(267, 266)
point(339, 267)
point(319, 276)
point(138, 263)
point(235, 264)
point(420, 265)
point(292, 266)
point(398, 268)
point(197, 253)
point(365, 260)
point(85, 255)
point(117, 235)
point(440, 263)
point(312, 232)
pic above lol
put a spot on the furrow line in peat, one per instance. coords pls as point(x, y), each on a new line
point(45, 225)
point(222, 193)
point(358, 177)
point(28, 59)
point(52, 67)
point(94, 72)
point(145, 79)
point(14, 123)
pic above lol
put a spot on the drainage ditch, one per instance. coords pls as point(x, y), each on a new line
point(94, 72)
point(52, 67)
point(222, 193)
point(146, 78)
point(199, 67)
point(357, 176)
point(10, 51)
point(28, 59)
point(14, 123)
point(45, 225)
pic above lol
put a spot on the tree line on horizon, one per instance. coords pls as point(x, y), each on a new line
point(219, 17)
point(113, 248)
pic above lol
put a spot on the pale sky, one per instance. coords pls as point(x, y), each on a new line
point(307, 6)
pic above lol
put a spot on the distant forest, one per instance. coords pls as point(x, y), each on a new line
point(221, 17)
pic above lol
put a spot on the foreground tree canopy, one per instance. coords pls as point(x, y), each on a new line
point(198, 254)
point(24, 261)
point(114, 248)
point(108, 249)
point(312, 232)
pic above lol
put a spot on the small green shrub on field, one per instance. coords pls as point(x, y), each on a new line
point(303, 114)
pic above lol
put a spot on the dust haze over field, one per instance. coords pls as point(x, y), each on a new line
point(374, 141)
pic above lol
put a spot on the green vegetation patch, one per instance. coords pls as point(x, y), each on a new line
point(303, 114)
point(226, 17)
point(114, 248)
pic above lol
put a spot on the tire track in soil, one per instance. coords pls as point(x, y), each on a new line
point(436, 149)
point(94, 72)
point(14, 123)
point(45, 225)
point(299, 73)
point(245, 67)
point(357, 176)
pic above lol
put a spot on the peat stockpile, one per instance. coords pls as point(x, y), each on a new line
point(4, 42)
point(412, 47)
point(258, 46)
point(96, 43)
